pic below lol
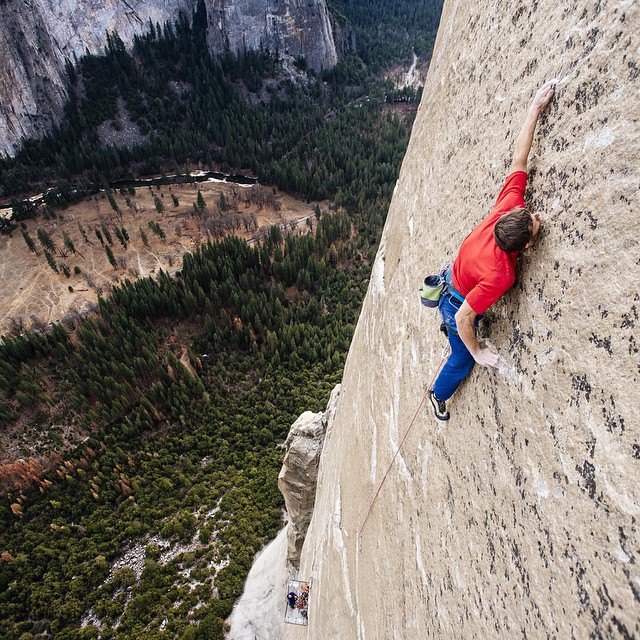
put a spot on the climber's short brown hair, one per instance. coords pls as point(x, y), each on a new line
point(514, 230)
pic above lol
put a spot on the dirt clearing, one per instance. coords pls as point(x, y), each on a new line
point(33, 295)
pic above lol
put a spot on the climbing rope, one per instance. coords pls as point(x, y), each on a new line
point(445, 354)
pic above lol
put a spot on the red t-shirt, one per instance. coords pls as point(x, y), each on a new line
point(482, 272)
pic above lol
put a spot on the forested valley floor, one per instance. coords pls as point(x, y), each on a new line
point(155, 421)
point(55, 268)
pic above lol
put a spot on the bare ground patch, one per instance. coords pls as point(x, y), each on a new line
point(33, 295)
point(413, 75)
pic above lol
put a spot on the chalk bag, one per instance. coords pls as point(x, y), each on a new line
point(431, 290)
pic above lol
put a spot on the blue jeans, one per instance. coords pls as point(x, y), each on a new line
point(460, 362)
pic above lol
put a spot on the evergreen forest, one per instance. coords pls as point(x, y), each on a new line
point(181, 389)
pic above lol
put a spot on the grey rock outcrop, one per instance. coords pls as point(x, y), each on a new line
point(258, 612)
point(299, 474)
point(37, 36)
point(298, 28)
point(518, 517)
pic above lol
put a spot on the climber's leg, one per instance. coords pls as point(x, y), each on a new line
point(460, 362)
point(456, 369)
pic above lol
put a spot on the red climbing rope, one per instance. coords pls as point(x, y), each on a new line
point(445, 355)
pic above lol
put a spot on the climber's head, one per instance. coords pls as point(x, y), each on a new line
point(516, 230)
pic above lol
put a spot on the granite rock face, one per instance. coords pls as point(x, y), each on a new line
point(258, 612)
point(518, 517)
point(36, 36)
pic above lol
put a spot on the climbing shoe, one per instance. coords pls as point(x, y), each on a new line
point(439, 407)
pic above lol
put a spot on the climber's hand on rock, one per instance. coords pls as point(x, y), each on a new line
point(544, 95)
point(487, 358)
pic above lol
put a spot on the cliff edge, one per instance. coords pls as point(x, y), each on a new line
point(518, 517)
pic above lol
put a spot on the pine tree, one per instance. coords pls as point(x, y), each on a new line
point(158, 203)
point(110, 256)
point(157, 229)
point(51, 261)
point(113, 203)
point(46, 241)
point(105, 232)
point(84, 234)
point(200, 202)
point(29, 240)
point(68, 243)
point(120, 236)
point(222, 202)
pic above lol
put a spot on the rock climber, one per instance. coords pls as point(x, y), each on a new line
point(485, 266)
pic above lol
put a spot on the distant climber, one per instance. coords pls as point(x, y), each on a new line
point(485, 266)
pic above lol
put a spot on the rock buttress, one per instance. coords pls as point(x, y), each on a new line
point(298, 477)
point(258, 612)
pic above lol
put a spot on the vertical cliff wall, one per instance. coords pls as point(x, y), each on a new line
point(518, 517)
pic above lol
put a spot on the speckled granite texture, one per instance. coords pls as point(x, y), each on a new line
point(518, 517)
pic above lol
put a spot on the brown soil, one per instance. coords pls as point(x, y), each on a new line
point(33, 295)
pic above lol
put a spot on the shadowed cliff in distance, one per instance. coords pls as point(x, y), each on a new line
point(36, 38)
point(518, 517)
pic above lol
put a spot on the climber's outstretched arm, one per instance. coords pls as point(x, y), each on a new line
point(525, 137)
point(465, 321)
